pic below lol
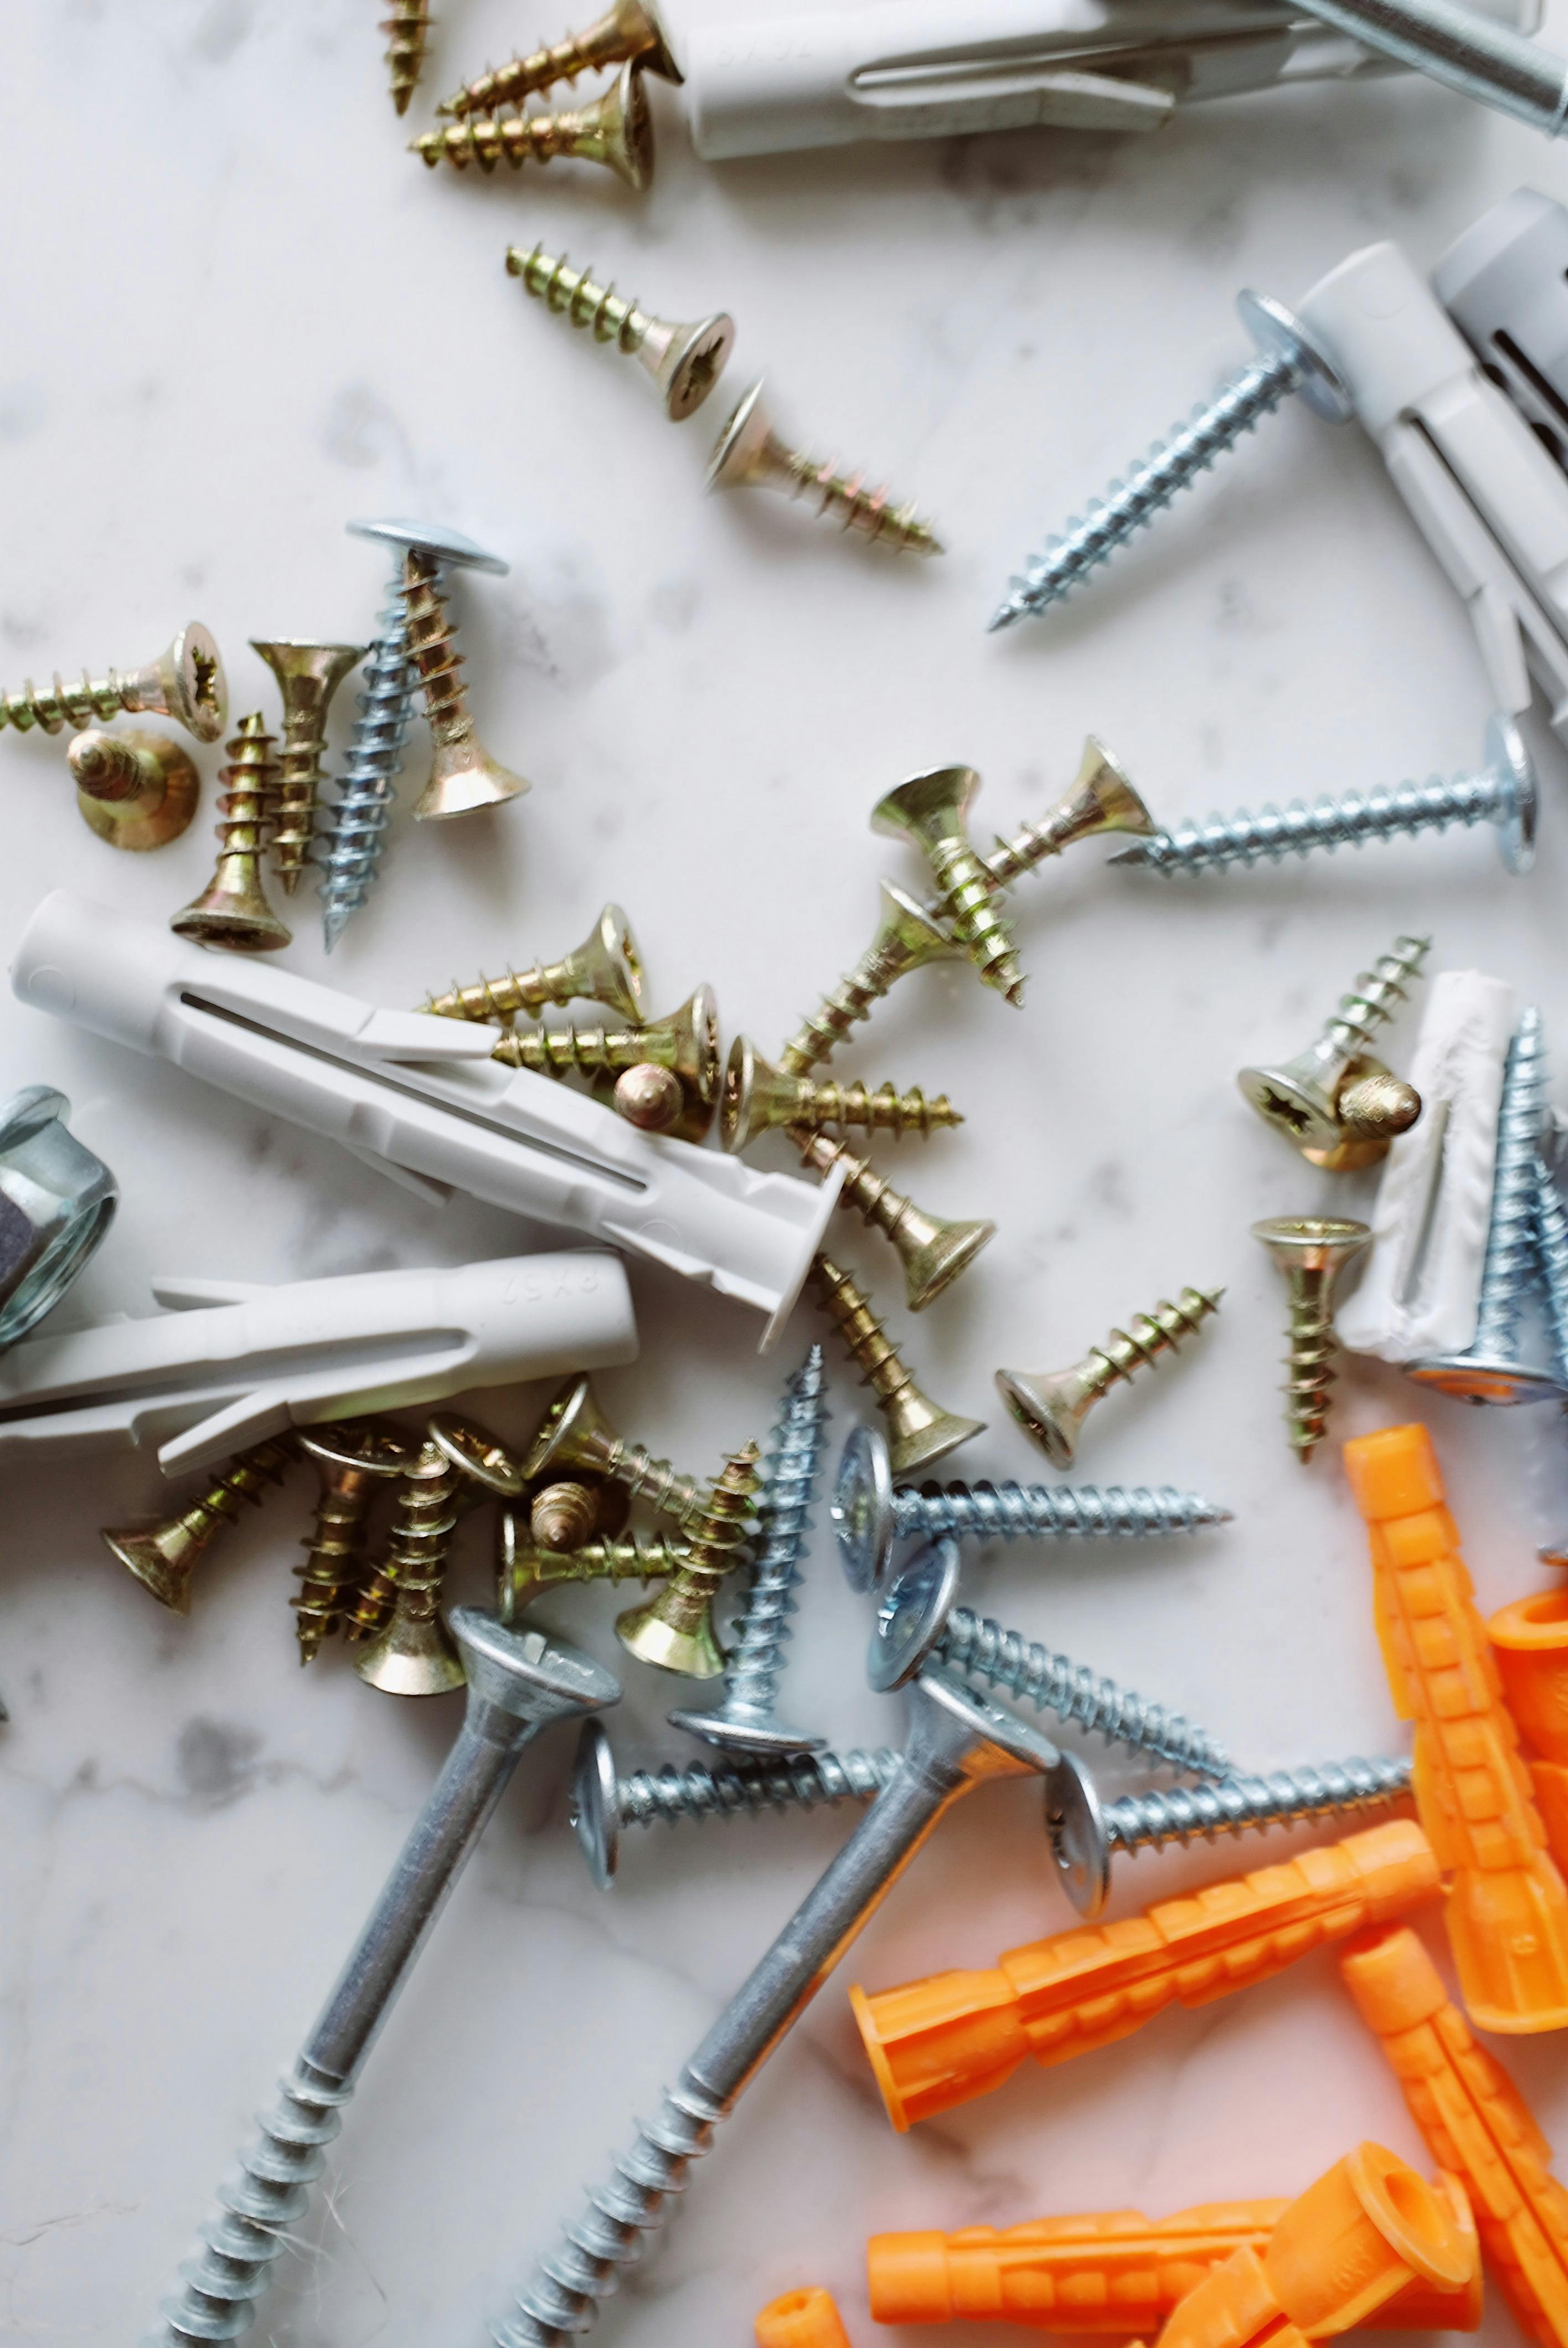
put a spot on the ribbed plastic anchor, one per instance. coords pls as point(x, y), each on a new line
point(984, 1649)
point(353, 828)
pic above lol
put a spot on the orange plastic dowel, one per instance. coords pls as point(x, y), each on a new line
point(1115, 2272)
point(1530, 1639)
point(1475, 2121)
point(802, 2318)
point(1507, 1906)
point(940, 2042)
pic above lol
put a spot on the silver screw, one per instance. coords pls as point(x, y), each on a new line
point(1490, 1369)
point(746, 1722)
point(956, 1741)
point(1476, 54)
point(1503, 793)
point(519, 1682)
point(603, 1802)
point(1300, 1098)
point(1289, 360)
point(869, 1516)
point(1084, 1833)
point(352, 830)
point(1552, 1243)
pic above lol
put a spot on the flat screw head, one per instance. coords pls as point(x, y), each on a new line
point(693, 361)
point(191, 674)
point(912, 1615)
point(862, 1509)
point(526, 1675)
point(370, 1446)
point(1050, 1408)
point(927, 808)
point(1279, 332)
point(742, 451)
point(1286, 1099)
point(1320, 1244)
point(479, 1455)
point(442, 545)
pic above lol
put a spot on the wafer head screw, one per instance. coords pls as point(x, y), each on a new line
point(308, 677)
point(919, 1431)
point(931, 812)
point(135, 790)
point(626, 32)
point(616, 131)
point(163, 1557)
point(675, 1630)
point(353, 1460)
point(1311, 1251)
point(750, 455)
point(232, 913)
point(683, 360)
point(1052, 1406)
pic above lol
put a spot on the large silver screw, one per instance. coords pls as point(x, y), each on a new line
point(869, 1516)
point(1289, 360)
point(603, 1802)
point(956, 1741)
point(519, 1682)
point(1503, 793)
point(746, 1721)
point(1490, 1369)
point(1552, 1241)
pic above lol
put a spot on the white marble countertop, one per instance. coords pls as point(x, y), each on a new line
point(238, 313)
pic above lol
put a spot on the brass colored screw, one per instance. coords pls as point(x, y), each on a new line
point(308, 675)
point(1374, 1105)
point(683, 359)
point(907, 939)
point(564, 1515)
point(525, 1570)
point(163, 1557)
point(919, 1432)
point(464, 777)
point(1299, 1098)
point(750, 455)
point(627, 34)
point(185, 683)
point(758, 1096)
point(405, 29)
point(136, 790)
point(1053, 1407)
point(931, 812)
point(414, 1653)
point(932, 1250)
point(575, 1437)
point(675, 1631)
point(606, 968)
point(353, 1460)
point(685, 1041)
point(1311, 1251)
point(616, 131)
point(233, 911)
point(1101, 799)
point(654, 1100)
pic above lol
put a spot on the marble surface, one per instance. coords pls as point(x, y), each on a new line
point(238, 313)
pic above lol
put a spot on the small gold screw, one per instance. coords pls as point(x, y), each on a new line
point(414, 1653)
point(932, 1250)
point(136, 790)
point(163, 1557)
point(353, 1461)
point(185, 683)
point(759, 1097)
point(675, 1630)
point(407, 29)
point(574, 1436)
point(1053, 1407)
point(606, 968)
point(654, 1100)
point(1102, 799)
point(683, 359)
point(907, 939)
point(686, 1041)
point(920, 1432)
point(525, 1570)
point(627, 33)
point(308, 675)
point(931, 812)
point(750, 455)
point(563, 1515)
point(1299, 1098)
point(616, 131)
point(464, 777)
point(1311, 1251)
point(233, 912)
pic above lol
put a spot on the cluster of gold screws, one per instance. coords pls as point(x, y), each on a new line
point(606, 968)
point(1311, 1251)
point(575, 1437)
point(308, 675)
point(675, 1630)
point(353, 1461)
point(627, 34)
point(163, 1557)
point(931, 812)
point(616, 131)
point(1051, 1406)
point(750, 455)
point(233, 912)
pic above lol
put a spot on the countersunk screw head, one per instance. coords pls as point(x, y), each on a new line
point(191, 674)
point(1323, 1245)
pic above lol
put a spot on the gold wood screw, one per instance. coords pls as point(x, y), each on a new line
point(163, 1557)
point(919, 1430)
point(1102, 799)
point(185, 683)
point(684, 359)
point(932, 1250)
point(353, 1461)
point(750, 455)
point(574, 1435)
point(606, 968)
point(308, 675)
point(233, 911)
point(675, 1630)
point(463, 775)
point(616, 131)
point(1311, 1251)
point(407, 29)
point(1053, 1407)
point(757, 1097)
point(136, 790)
point(525, 1570)
point(627, 33)
point(931, 812)
point(564, 1515)
point(414, 1653)
point(907, 939)
point(685, 1041)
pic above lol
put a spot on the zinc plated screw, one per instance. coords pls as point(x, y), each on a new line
point(353, 1460)
point(135, 790)
point(185, 683)
point(407, 29)
point(1289, 360)
point(758, 1098)
point(907, 939)
point(932, 1249)
point(353, 831)
point(674, 1631)
point(955, 1741)
point(931, 812)
point(602, 1803)
point(163, 1557)
point(616, 131)
point(1311, 1251)
point(628, 32)
point(527, 1570)
point(921, 1432)
point(464, 777)
point(518, 1683)
point(308, 677)
point(413, 1652)
point(574, 1435)
point(232, 913)
point(683, 359)
point(1300, 1099)
point(606, 968)
point(1503, 793)
point(746, 1721)
point(750, 455)
point(1052, 1406)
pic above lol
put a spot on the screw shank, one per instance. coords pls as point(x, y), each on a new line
point(1466, 51)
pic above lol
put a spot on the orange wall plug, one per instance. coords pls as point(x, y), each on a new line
point(940, 2042)
point(1530, 1639)
point(1474, 2121)
point(802, 2318)
point(1507, 1906)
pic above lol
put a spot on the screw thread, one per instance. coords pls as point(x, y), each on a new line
point(608, 315)
point(405, 29)
point(354, 830)
point(298, 788)
point(714, 1533)
point(334, 1559)
point(969, 902)
point(1147, 1336)
point(865, 1192)
point(492, 1002)
point(586, 1051)
point(654, 1480)
point(824, 1029)
point(1347, 822)
point(107, 768)
point(1376, 996)
point(848, 1307)
point(762, 1632)
point(247, 798)
point(609, 42)
point(563, 1515)
point(407, 1583)
point(1253, 392)
point(637, 1557)
point(885, 1110)
point(1146, 1821)
point(489, 140)
point(1049, 1511)
point(984, 1649)
point(1510, 1256)
point(806, 1781)
point(245, 1477)
point(853, 506)
point(1310, 1362)
point(1551, 1243)
point(433, 652)
point(76, 704)
point(1029, 846)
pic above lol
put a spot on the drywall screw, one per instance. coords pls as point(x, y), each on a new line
point(683, 359)
point(627, 33)
point(654, 1100)
point(163, 1557)
point(746, 1721)
point(353, 1460)
point(955, 1741)
point(674, 1630)
point(1490, 1369)
point(1289, 360)
point(1299, 1098)
point(137, 790)
point(1102, 799)
point(233, 912)
point(1311, 1251)
point(616, 131)
point(464, 777)
point(308, 675)
point(921, 1431)
point(518, 1683)
point(602, 1803)
point(1084, 1832)
point(352, 831)
point(185, 682)
point(606, 968)
point(750, 455)
point(907, 939)
point(869, 1516)
point(407, 29)
point(1503, 793)
point(574, 1435)
point(1052, 1406)
point(414, 1653)
point(1552, 1251)
point(524, 1571)
point(686, 1041)
point(758, 1098)
point(932, 1249)
point(931, 812)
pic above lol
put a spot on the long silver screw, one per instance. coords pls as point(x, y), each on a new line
point(603, 1802)
point(353, 829)
point(1503, 793)
point(519, 1682)
point(1289, 360)
point(1552, 1243)
point(746, 1721)
point(1473, 54)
